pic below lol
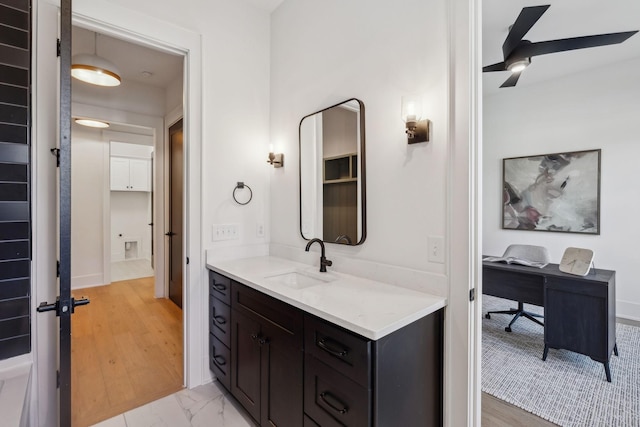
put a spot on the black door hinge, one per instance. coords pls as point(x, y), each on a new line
point(58, 47)
point(187, 260)
point(472, 294)
point(56, 153)
point(57, 268)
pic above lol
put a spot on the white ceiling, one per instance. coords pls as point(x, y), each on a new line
point(268, 5)
point(567, 18)
point(131, 59)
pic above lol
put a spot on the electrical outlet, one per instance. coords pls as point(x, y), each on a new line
point(225, 232)
point(259, 229)
point(436, 249)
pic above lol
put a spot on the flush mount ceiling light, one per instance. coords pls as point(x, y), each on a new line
point(94, 69)
point(92, 123)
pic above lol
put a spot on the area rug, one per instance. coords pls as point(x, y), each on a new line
point(568, 389)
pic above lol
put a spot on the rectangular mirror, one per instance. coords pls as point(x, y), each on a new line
point(332, 174)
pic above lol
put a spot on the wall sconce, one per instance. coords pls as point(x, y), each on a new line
point(417, 127)
point(276, 160)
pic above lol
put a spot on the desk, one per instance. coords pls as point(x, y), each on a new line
point(579, 311)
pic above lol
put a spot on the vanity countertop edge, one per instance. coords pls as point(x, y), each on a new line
point(367, 307)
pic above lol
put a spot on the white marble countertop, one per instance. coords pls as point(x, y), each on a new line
point(366, 307)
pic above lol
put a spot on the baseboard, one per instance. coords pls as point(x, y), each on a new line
point(418, 280)
point(628, 310)
point(87, 281)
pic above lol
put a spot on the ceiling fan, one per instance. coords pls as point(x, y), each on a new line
point(517, 52)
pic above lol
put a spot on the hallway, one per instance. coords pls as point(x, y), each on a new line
point(126, 350)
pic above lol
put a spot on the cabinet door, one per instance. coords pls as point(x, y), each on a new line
point(282, 377)
point(139, 176)
point(119, 174)
point(245, 354)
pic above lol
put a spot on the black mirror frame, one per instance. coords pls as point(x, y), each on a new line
point(362, 181)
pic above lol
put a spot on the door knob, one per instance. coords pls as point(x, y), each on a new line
point(170, 233)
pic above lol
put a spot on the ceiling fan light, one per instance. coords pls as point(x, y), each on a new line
point(519, 65)
point(95, 70)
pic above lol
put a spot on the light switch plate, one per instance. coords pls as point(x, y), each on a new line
point(225, 232)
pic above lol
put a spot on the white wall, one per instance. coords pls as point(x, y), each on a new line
point(130, 218)
point(376, 52)
point(88, 177)
point(594, 109)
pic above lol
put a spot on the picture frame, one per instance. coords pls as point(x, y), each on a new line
point(557, 192)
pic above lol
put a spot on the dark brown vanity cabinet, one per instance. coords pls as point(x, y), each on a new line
point(288, 368)
point(220, 327)
point(267, 357)
point(356, 382)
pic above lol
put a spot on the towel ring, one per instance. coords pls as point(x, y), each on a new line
point(242, 185)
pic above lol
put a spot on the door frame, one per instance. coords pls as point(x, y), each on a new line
point(118, 21)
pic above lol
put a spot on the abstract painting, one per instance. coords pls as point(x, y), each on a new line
point(552, 192)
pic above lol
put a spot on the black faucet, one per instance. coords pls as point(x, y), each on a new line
point(324, 262)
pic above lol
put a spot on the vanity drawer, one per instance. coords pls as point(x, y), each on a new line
point(220, 286)
point(220, 361)
point(220, 320)
point(340, 349)
point(331, 399)
point(252, 302)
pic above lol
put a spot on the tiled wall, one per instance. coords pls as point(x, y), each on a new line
point(15, 177)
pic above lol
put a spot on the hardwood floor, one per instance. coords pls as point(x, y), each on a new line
point(126, 350)
point(498, 413)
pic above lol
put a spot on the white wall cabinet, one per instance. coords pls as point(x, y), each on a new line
point(130, 174)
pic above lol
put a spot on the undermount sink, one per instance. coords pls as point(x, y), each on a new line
point(300, 279)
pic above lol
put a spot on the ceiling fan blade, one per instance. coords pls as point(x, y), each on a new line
point(500, 66)
point(562, 45)
point(527, 18)
point(512, 80)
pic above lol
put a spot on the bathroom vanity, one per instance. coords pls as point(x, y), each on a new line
point(301, 348)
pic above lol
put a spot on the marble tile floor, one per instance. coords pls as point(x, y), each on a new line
point(130, 269)
point(206, 405)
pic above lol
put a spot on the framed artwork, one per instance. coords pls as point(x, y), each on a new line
point(552, 192)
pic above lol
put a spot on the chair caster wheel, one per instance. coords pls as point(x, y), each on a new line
point(487, 316)
point(508, 329)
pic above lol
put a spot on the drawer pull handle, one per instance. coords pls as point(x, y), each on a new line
point(220, 361)
point(327, 397)
point(220, 287)
point(325, 344)
point(220, 320)
point(254, 336)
